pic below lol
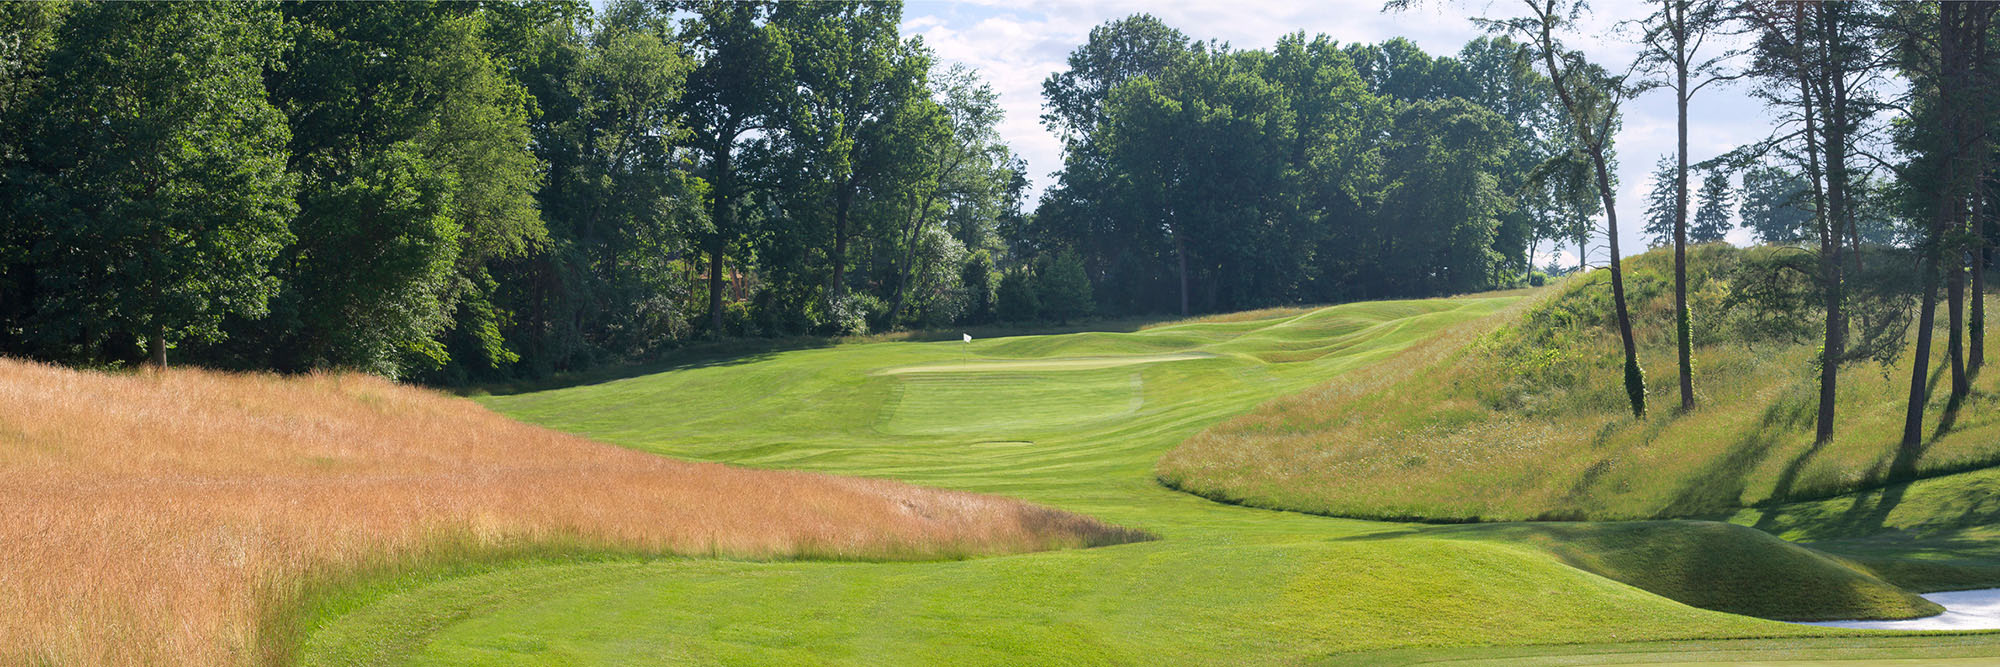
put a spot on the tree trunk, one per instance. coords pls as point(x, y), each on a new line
point(1683, 328)
point(1180, 255)
point(1913, 417)
point(1635, 387)
point(1955, 344)
point(836, 291)
point(723, 217)
point(1828, 96)
point(715, 263)
point(1976, 324)
point(157, 347)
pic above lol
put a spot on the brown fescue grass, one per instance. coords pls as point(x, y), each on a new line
point(159, 518)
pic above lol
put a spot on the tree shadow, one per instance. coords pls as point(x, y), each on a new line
point(1719, 485)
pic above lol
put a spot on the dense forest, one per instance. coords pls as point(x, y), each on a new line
point(453, 192)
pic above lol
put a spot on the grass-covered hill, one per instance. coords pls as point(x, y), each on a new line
point(1527, 417)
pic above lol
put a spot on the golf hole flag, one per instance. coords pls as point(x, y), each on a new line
point(968, 337)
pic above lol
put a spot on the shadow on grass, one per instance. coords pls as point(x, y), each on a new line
point(1720, 484)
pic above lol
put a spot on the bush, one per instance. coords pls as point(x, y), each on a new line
point(737, 319)
point(1063, 288)
point(858, 313)
point(1016, 301)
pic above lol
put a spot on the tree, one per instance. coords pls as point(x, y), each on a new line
point(1775, 206)
point(1711, 219)
point(856, 80)
point(1945, 53)
point(412, 147)
point(1443, 201)
point(960, 160)
point(979, 279)
point(1118, 51)
point(1672, 46)
point(1062, 289)
point(1590, 99)
point(27, 33)
point(1017, 301)
point(737, 90)
point(1660, 202)
point(620, 199)
point(158, 190)
point(1814, 61)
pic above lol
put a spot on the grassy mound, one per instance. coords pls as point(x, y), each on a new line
point(1527, 418)
point(1714, 565)
point(245, 487)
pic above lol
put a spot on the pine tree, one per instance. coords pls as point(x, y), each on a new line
point(1711, 219)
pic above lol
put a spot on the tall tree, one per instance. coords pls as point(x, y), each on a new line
point(960, 157)
point(856, 78)
point(412, 146)
point(736, 92)
point(1590, 99)
point(158, 188)
point(1814, 62)
point(1673, 39)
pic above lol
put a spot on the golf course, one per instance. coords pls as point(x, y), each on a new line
point(1080, 422)
point(963, 332)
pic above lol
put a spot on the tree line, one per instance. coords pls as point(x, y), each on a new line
point(448, 191)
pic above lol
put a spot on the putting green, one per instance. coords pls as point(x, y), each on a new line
point(1223, 584)
point(1064, 364)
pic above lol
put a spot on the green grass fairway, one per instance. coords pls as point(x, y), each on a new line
point(1066, 420)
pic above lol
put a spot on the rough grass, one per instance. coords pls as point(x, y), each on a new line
point(1528, 420)
point(160, 518)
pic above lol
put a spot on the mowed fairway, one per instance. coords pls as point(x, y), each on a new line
point(1222, 585)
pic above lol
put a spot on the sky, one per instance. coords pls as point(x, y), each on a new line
point(1015, 44)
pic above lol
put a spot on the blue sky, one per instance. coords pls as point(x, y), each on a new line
point(1017, 43)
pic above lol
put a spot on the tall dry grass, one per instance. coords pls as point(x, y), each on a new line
point(154, 518)
point(1524, 416)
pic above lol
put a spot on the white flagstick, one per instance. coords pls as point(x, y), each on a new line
point(968, 345)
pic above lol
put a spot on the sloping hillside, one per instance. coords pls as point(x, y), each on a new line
point(155, 518)
point(1528, 420)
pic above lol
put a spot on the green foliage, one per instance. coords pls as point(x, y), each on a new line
point(980, 280)
point(1061, 288)
point(1635, 387)
point(154, 197)
point(1711, 218)
point(1776, 207)
point(1017, 301)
